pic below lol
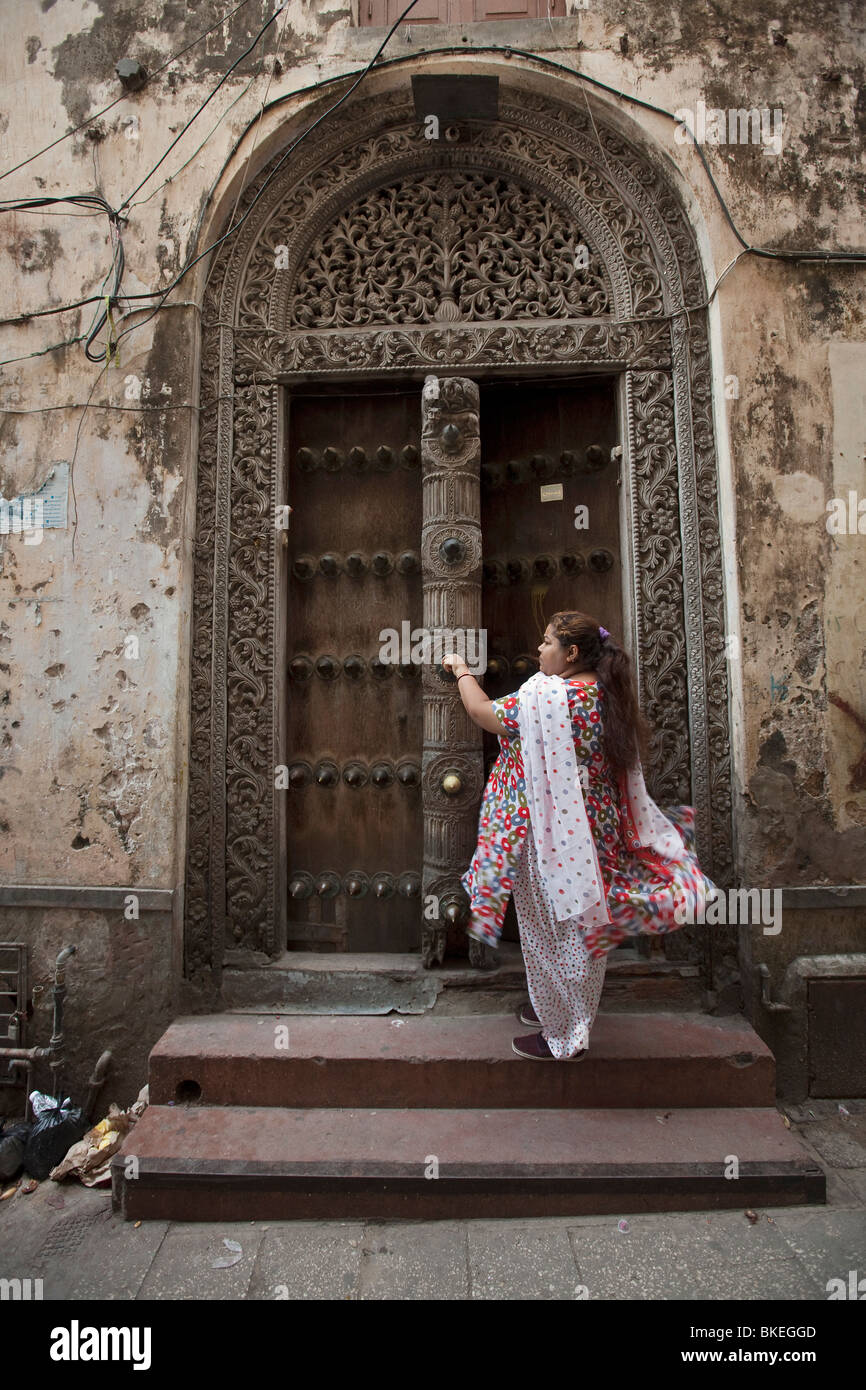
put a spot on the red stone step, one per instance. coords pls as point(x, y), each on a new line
point(201, 1163)
point(634, 1060)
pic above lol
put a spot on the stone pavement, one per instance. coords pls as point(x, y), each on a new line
point(67, 1236)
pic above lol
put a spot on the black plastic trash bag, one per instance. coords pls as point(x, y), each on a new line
point(58, 1126)
point(13, 1140)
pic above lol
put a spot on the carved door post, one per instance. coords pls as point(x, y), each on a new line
point(452, 762)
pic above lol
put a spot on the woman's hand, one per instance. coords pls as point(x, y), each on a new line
point(475, 702)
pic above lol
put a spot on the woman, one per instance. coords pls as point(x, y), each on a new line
point(567, 825)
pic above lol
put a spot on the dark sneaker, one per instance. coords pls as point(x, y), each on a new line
point(534, 1046)
point(528, 1015)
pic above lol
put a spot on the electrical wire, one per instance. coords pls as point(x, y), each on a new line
point(140, 202)
point(852, 257)
point(194, 117)
point(290, 150)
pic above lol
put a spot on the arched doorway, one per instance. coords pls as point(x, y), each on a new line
point(375, 256)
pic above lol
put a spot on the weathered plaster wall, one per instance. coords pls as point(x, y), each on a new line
point(92, 740)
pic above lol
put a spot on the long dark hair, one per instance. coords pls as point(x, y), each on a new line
point(626, 732)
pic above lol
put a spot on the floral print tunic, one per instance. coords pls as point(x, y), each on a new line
point(641, 888)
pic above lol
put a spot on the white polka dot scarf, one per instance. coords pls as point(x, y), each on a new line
point(564, 844)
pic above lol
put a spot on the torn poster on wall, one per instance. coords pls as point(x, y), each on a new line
point(31, 513)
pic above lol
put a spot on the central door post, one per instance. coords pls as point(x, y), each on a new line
point(452, 761)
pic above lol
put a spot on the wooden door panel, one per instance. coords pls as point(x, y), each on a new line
point(355, 730)
point(536, 562)
point(525, 432)
point(354, 725)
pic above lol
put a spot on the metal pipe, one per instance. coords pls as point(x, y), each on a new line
point(55, 1043)
point(96, 1082)
point(764, 971)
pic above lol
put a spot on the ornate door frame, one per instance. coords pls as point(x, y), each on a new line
point(299, 294)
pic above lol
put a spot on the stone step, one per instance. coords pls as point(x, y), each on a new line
point(634, 1060)
point(312, 982)
point(202, 1163)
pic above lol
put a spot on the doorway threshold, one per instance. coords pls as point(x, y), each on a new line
point(372, 982)
point(316, 982)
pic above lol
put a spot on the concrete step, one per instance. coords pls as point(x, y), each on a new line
point(202, 1163)
point(310, 982)
point(635, 1060)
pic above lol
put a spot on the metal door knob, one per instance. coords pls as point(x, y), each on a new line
point(304, 567)
point(600, 560)
point(409, 885)
point(300, 668)
point(571, 564)
point(451, 784)
point(382, 563)
point(452, 550)
point(455, 913)
point(542, 466)
point(300, 886)
point(382, 885)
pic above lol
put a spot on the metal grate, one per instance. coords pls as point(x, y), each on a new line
point(13, 993)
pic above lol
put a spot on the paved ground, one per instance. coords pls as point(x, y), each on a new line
point(67, 1236)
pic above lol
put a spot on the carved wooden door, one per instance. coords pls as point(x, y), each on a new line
point(396, 499)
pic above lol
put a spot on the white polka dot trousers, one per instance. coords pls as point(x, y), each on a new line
point(564, 980)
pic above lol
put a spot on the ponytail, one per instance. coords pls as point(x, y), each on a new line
point(626, 730)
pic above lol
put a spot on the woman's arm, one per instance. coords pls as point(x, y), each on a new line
point(475, 702)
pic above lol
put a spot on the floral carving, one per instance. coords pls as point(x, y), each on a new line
point(457, 246)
